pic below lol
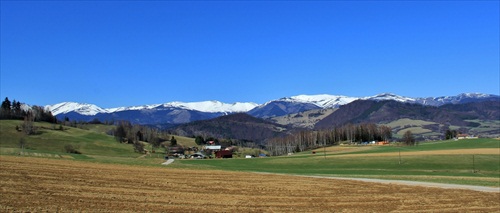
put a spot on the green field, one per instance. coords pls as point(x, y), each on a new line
point(453, 165)
point(473, 169)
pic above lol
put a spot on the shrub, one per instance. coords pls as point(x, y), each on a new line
point(71, 149)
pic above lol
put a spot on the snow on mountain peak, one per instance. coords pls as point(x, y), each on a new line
point(323, 100)
point(81, 108)
point(203, 106)
point(474, 95)
point(213, 106)
point(389, 96)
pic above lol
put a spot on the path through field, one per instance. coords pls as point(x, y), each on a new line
point(416, 183)
point(30, 184)
point(169, 161)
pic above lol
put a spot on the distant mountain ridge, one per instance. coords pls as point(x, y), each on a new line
point(388, 110)
point(427, 122)
point(204, 106)
point(184, 112)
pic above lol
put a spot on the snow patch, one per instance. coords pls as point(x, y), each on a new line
point(81, 108)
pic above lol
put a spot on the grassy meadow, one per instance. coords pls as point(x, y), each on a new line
point(470, 162)
point(474, 162)
point(49, 139)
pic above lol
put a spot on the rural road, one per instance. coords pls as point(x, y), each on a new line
point(417, 183)
point(401, 182)
point(411, 183)
point(169, 161)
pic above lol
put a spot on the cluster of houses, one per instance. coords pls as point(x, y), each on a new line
point(465, 136)
point(211, 150)
point(208, 151)
point(374, 143)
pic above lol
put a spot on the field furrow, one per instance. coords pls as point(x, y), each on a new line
point(39, 185)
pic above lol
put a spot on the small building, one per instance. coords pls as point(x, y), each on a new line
point(213, 147)
point(466, 136)
point(224, 154)
point(209, 150)
point(382, 142)
point(175, 150)
point(197, 155)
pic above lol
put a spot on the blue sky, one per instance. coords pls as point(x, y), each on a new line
point(114, 53)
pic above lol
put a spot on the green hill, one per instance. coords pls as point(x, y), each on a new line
point(50, 139)
point(90, 140)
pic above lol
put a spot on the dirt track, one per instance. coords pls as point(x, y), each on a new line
point(37, 184)
point(416, 183)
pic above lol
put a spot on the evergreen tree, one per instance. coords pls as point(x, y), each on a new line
point(16, 110)
point(5, 110)
point(450, 134)
point(199, 140)
point(173, 141)
point(120, 132)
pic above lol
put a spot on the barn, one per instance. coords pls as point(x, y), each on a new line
point(224, 154)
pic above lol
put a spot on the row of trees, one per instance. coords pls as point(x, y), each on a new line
point(308, 139)
point(16, 110)
point(125, 132)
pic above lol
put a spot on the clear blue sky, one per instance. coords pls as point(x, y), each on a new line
point(131, 53)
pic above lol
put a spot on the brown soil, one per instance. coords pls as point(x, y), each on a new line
point(56, 185)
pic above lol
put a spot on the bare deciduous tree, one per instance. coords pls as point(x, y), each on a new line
point(28, 124)
point(408, 138)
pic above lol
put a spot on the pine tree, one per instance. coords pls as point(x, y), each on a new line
point(173, 141)
point(5, 110)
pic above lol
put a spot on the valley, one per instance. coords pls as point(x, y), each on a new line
point(427, 118)
point(39, 185)
point(110, 177)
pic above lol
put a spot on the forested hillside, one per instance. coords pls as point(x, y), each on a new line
point(239, 126)
point(386, 111)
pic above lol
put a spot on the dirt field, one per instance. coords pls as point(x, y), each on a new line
point(50, 185)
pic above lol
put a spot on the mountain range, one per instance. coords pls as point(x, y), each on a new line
point(425, 122)
point(174, 113)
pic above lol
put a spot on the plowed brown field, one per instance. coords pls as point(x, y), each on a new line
point(51, 185)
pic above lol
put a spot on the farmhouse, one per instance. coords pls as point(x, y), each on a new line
point(382, 142)
point(466, 136)
point(213, 147)
point(210, 149)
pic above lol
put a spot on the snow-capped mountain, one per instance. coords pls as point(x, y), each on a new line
point(182, 112)
point(213, 106)
point(460, 98)
point(203, 106)
point(80, 108)
point(390, 96)
point(323, 101)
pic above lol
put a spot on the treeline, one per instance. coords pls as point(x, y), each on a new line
point(308, 139)
point(15, 110)
point(125, 132)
